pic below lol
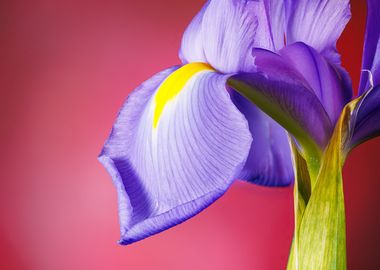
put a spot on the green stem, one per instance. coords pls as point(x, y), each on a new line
point(320, 240)
point(302, 192)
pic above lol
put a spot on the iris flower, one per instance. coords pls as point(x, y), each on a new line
point(260, 96)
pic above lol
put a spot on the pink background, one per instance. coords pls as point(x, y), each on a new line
point(67, 66)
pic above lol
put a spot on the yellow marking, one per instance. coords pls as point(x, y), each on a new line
point(173, 84)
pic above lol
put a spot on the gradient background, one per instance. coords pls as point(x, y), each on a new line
point(66, 68)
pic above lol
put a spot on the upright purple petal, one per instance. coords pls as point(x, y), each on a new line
point(371, 56)
point(167, 173)
point(275, 15)
point(269, 161)
point(318, 23)
point(330, 83)
point(225, 31)
point(366, 122)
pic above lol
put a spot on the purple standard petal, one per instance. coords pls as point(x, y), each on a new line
point(225, 31)
point(275, 14)
point(269, 161)
point(366, 121)
point(167, 173)
point(318, 23)
point(371, 56)
point(330, 83)
point(281, 92)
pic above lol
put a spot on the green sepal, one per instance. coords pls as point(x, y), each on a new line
point(320, 232)
point(268, 94)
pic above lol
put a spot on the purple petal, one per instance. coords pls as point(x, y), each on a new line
point(168, 173)
point(367, 120)
point(225, 31)
point(275, 15)
point(330, 83)
point(371, 56)
point(269, 161)
point(281, 92)
point(318, 23)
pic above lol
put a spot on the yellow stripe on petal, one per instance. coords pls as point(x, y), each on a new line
point(173, 84)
